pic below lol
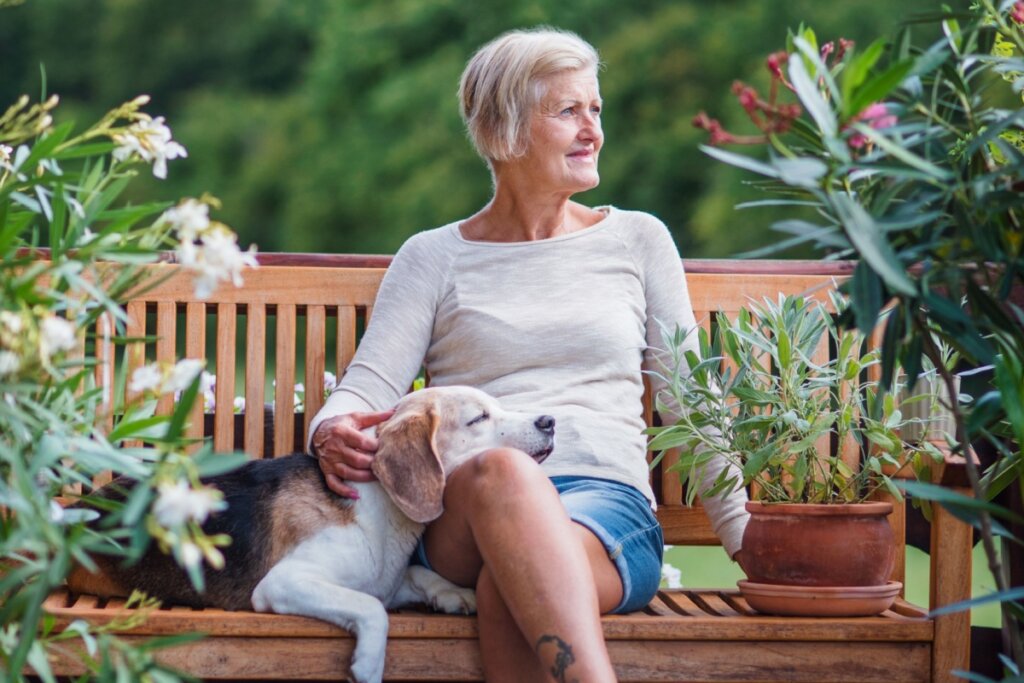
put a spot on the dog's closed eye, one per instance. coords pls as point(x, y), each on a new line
point(479, 418)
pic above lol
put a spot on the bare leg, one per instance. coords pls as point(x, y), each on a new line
point(505, 531)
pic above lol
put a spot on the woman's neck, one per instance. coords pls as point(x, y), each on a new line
point(513, 216)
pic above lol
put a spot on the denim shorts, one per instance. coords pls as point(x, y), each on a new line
point(621, 517)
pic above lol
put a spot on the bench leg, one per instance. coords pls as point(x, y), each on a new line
point(950, 583)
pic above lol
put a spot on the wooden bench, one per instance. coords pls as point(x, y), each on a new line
point(279, 323)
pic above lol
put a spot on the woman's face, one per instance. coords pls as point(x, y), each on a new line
point(565, 133)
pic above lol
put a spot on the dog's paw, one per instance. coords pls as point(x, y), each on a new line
point(366, 668)
point(454, 600)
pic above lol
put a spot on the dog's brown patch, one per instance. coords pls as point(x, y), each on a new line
point(80, 580)
point(301, 508)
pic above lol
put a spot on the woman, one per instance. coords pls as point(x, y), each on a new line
point(550, 306)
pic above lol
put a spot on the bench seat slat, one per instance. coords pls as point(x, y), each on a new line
point(678, 617)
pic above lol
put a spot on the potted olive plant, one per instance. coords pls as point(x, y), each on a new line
point(811, 435)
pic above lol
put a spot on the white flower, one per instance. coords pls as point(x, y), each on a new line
point(208, 385)
point(146, 378)
point(215, 259)
point(11, 321)
point(177, 504)
point(239, 404)
point(330, 381)
point(183, 374)
point(189, 219)
point(150, 140)
point(190, 554)
point(55, 335)
point(9, 363)
point(671, 576)
point(5, 154)
point(56, 512)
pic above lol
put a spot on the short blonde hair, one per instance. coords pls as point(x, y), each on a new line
point(502, 83)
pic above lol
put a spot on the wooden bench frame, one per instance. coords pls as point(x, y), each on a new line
point(704, 635)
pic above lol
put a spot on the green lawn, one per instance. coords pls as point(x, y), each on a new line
point(709, 567)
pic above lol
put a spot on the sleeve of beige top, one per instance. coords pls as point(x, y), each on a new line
point(668, 304)
point(391, 351)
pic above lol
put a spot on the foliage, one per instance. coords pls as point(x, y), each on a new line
point(333, 125)
point(759, 395)
point(912, 161)
point(61, 429)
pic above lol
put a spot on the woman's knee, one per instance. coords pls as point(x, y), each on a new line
point(500, 472)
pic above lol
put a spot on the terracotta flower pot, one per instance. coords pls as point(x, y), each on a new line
point(819, 546)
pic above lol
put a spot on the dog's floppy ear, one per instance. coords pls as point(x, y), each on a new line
point(408, 466)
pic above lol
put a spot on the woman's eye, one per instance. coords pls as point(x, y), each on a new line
point(596, 111)
point(569, 111)
point(478, 418)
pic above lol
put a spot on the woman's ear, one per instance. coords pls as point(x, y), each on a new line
point(408, 466)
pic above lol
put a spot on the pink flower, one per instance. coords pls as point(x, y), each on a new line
point(1017, 13)
point(877, 116)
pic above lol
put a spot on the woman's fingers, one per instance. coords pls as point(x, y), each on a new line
point(356, 467)
point(345, 452)
point(364, 420)
point(340, 487)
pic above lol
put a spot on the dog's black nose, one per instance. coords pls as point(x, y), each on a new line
point(546, 424)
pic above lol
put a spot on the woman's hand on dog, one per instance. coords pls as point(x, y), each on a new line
point(345, 452)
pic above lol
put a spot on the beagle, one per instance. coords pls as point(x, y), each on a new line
point(299, 549)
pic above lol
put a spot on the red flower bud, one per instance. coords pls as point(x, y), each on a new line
point(775, 62)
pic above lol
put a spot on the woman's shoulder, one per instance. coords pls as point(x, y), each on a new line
point(640, 229)
point(434, 243)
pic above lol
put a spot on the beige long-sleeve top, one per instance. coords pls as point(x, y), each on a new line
point(561, 326)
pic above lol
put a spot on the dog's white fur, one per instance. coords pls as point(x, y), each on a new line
point(349, 574)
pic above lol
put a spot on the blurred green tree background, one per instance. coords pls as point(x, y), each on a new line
point(332, 125)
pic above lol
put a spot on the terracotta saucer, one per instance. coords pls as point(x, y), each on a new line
point(820, 601)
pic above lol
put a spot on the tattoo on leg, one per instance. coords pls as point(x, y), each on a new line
point(564, 657)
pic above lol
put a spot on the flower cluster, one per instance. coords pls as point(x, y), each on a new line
point(148, 139)
point(180, 508)
point(208, 248)
point(770, 116)
point(177, 503)
point(61, 189)
point(165, 378)
point(31, 339)
point(877, 116)
point(773, 118)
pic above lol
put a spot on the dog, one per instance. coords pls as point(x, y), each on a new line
point(297, 548)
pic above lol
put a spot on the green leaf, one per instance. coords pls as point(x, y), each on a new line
point(740, 161)
point(811, 98)
point(870, 243)
point(210, 464)
point(756, 462)
point(936, 173)
point(878, 87)
point(857, 69)
point(1008, 595)
point(949, 497)
point(865, 297)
